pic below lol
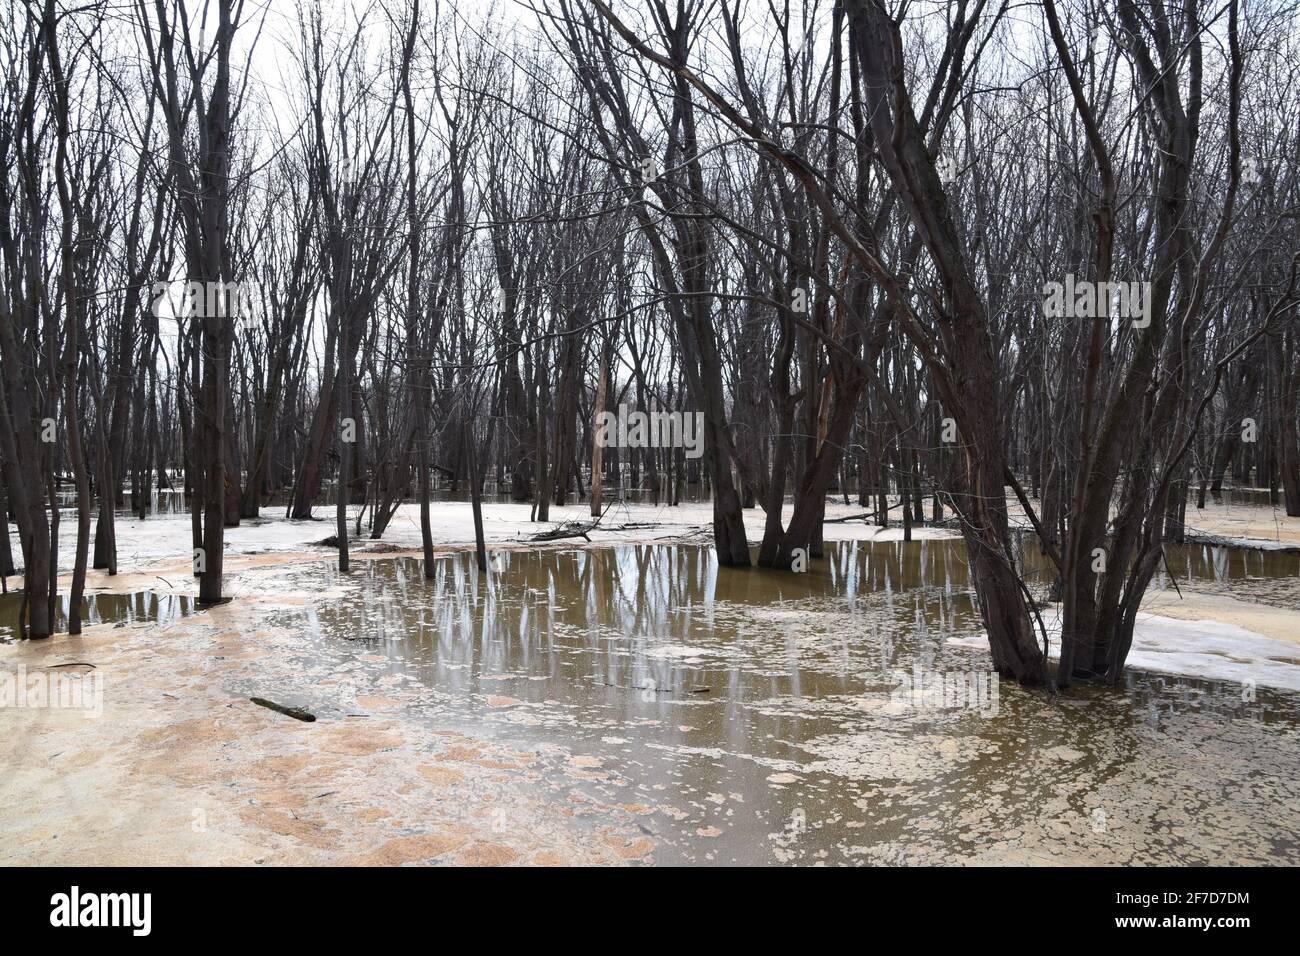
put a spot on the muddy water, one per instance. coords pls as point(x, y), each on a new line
point(756, 717)
point(1269, 577)
point(1266, 577)
point(102, 609)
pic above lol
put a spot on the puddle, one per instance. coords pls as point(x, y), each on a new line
point(102, 608)
point(754, 717)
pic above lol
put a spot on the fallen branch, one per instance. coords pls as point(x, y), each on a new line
point(862, 517)
point(297, 713)
point(570, 529)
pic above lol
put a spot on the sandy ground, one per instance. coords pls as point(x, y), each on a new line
point(200, 775)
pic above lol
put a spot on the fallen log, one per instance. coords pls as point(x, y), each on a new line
point(297, 713)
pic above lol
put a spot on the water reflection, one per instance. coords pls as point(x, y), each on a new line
point(756, 716)
point(101, 609)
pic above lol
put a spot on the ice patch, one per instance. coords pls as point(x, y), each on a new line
point(1206, 649)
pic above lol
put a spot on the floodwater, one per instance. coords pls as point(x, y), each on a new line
point(1269, 577)
point(101, 609)
point(1266, 577)
point(751, 717)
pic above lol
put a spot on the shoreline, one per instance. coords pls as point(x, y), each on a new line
point(148, 562)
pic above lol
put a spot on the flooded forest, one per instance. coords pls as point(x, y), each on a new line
point(670, 432)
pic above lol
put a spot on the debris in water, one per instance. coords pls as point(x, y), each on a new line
point(297, 713)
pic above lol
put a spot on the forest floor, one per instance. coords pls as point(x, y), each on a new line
point(180, 767)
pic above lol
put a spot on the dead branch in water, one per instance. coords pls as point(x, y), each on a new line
point(297, 713)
